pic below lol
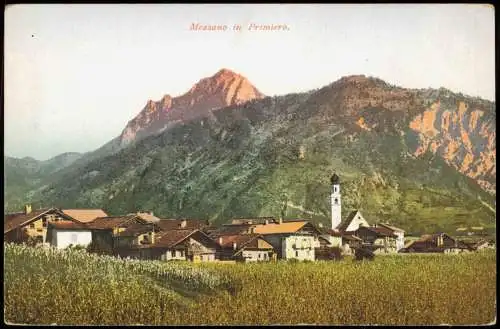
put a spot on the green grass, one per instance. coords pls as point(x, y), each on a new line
point(76, 288)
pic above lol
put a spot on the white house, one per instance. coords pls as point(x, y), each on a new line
point(63, 234)
point(298, 246)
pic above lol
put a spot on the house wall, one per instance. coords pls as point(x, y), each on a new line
point(102, 240)
point(63, 238)
point(356, 222)
point(255, 255)
point(123, 241)
point(179, 254)
point(400, 240)
point(197, 248)
point(148, 236)
point(298, 247)
point(38, 228)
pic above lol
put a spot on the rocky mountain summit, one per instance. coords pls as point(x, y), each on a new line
point(225, 88)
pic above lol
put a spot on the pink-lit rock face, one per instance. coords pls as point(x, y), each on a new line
point(223, 89)
point(449, 134)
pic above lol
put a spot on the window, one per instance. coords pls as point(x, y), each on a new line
point(336, 201)
point(258, 255)
point(74, 238)
point(335, 189)
point(181, 253)
point(296, 254)
point(32, 225)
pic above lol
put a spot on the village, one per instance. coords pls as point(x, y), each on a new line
point(142, 235)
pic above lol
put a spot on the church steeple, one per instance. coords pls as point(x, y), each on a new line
point(336, 201)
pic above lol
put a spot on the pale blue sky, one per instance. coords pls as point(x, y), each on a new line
point(76, 74)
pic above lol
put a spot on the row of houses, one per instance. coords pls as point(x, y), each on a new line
point(143, 235)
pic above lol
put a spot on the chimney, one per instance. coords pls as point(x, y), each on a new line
point(234, 245)
point(151, 213)
point(183, 223)
point(27, 209)
point(220, 240)
point(281, 220)
point(267, 221)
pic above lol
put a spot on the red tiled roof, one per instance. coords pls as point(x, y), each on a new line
point(382, 231)
point(136, 229)
point(85, 215)
point(285, 227)
point(13, 221)
point(109, 222)
point(239, 239)
point(171, 238)
point(68, 225)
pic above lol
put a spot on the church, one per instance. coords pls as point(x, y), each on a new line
point(381, 238)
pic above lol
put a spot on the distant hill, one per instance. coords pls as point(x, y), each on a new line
point(421, 159)
point(23, 174)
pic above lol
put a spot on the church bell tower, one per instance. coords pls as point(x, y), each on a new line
point(335, 200)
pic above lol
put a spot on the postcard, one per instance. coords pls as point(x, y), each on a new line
point(250, 164)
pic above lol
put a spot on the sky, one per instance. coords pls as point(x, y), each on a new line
point(75, 74)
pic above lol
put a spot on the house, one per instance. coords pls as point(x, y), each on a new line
point(353, 221)
point(479, 245)
point(350, 242)
point(300, 246)
point(333, 237)
point(30, 226)
point(135, 234)
point(65, 233)
point(398, 232)
point(378, 239)
point(191, 245)
point(436, 243)
point(84, 215)
point(244, 247)
point(105, 229)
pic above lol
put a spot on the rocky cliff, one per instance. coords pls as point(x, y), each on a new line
point(223, 89)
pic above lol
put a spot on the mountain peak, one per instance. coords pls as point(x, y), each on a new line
point(226, 72)
point(224, 88)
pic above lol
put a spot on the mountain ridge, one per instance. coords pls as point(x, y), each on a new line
point(244, 160)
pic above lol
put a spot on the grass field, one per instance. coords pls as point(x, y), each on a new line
point(72, 287)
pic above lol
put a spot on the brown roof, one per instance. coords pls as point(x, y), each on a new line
point(147, 217)
point(239, 239)
point(285, 227)
point(381, 231)
point(176, 224)
point(391, 227)
point(351, 237)
point(136, 229)
point(109, 222)
point(13, 221)
point(68, 225)
point(85, 215)
point(170, 239)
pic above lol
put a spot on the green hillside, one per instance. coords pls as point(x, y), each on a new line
point(251, 160)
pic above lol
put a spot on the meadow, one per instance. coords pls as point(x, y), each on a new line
point(47, 286)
